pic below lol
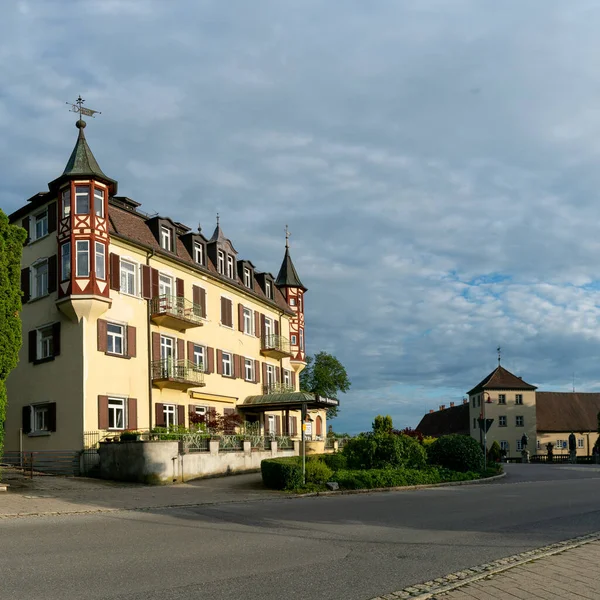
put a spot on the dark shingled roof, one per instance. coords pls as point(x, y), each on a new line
point(567, 411)
point(501, 379)
point(288, 277)
point(442, 422)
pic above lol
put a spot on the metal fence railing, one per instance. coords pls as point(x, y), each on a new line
point(176, 306)
point(231, 443)
point(177, 370)
point(276, 342)
point(43, 462)
point(278, 388)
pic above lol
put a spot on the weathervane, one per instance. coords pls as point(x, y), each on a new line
point(287, 237)
point(82, 110)
point(499, 350)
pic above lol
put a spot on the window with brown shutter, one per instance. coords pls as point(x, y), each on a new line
point(294, 425)
point(131, 341)
point(277, 425)
point(256, 371)
point(219, 362)
point(264, 373)
point(154, 289)
point(146, 282)
point(102, 412)
point(229, 313)
point(52, 217)
point(131, 413)
point(199, 300)
point(115, 271)
point(179, 287)
point(180, 414)
point(25, 279)
point(223, 310)
point(276, 322)
point(155, 346)
point(52, 274)
point(240, 317)
point(159, 415)
point(52, 416)
point(56, 339)
point(256, 323)
point(294, 379)
point(262, 325)
point(102, 335)
point(26, 419)
point(180, 349)
point(210, 360)
point(226, 312)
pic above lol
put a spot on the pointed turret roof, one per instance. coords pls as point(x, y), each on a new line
point(501, 379)
point(288, 277)
point(219, 237)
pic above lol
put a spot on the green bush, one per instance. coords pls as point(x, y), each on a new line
point(494, 453)
point(383, 451)
point(335, 461)
point(282, 473)
point(457, 453)
point(317, 471)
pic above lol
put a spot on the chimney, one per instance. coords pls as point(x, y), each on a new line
point(431, 411)
point(442, 406)
point(451, 404)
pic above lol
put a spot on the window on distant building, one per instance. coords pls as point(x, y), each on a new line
point(115, 338)
point(82, 200)
point(502, 421)
point(230, 267)
point(98, 202)
point(116, 413)
point(580, 442)
point(292, 301)
point(247, 277)
point(100, 260)
point(268, 289)
point(39, 279)
point(519, 445)
point(270, 375)
point(82, 258)
point(519, 421)
point(128, 272)
point(248, 369)
point(66, 203)
point(199, 363)
point(40, 417)
point(248, 321)
point(40, 225)
point(170, 415)
point(45, 342)
point(504, 445)
point(301, 332)
point(65, 261)
point(287, 377)
point(165, 285)
point(560, 444)
point(221, 262)
point(198, 253)
point(166, 241)
point(294, 339)
point(227, 370)
point(501, 398)
point(518, 398)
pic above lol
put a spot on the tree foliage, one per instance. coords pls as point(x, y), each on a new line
point(11, 245)
point(383, 424)
point(325, 375)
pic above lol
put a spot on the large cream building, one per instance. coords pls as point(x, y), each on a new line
point(132, 321)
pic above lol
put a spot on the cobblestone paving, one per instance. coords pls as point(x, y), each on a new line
point(567, 569)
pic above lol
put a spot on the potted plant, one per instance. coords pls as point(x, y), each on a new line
point(130, 435)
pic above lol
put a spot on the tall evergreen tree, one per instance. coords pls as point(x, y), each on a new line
point(11, 246)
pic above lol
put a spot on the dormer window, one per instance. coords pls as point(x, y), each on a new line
point(199, 253)
point(82, 200)
point(268, 289)
point(166, 239)
point(99, 202)
point(221, 262)
point(247, 277)
point(230, 267)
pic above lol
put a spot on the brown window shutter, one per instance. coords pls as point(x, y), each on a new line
point(25, 285)
point(294, 379)
point(276, 327)
point(102, 336)
point(264, 373)
point(243, 368)
point(52, 274)
point(159, 415)
point(26, 419)
point(115, 271)
point(277, 425)
point(278, 374)
point(203, 302)
point(235, 369)
point(190, 349)
point(256, 372)
point(229, 304)
point(191, 411)
point(131, 341)
point(25, 226)
point(33, 345)
point(240, 317)
point(155, 346)
point(180, 349)
point(256, 323)
point(223, 310)
point(294, 425)
point(319, 426)
point(146, 282)
point(181, 414)
point(52, 416)
point(56, 339)
point(179, 287)
point(154, 283)
point(210, 360)
point(266, 420)
point(131, 413)
point(102, 412)
point(219, 362)
point(196, 300)
point(262, 325)
point(52, 217)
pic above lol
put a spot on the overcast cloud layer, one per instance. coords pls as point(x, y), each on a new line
point(436, 161)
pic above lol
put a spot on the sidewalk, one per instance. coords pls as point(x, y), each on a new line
point(58, 495)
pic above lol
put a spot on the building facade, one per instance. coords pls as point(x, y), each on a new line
point(135, 321)
point(517, 408)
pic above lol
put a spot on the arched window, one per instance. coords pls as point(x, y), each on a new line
point(319, 426)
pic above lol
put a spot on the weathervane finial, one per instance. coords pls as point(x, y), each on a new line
point(217, 219)
point(78, 107)
point(287, 237)
point(499, 350)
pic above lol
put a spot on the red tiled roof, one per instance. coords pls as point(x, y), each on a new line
point(567, 411)
point(132, 226)
point(501, 379)
point(443, 422)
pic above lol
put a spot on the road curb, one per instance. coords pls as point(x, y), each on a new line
point(453, 581)
point(401, 488)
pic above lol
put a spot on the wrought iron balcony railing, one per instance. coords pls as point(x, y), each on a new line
point(278, 388)
point(275, 346)
point(177, 374)
point(175, 312)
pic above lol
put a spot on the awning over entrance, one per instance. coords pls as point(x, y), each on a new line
point(286, 401)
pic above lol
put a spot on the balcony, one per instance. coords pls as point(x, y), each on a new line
point(278, 388)
point(275, 346)
point(176, 374)
point(175, 312)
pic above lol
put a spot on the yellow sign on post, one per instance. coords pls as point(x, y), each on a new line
point(303, 426)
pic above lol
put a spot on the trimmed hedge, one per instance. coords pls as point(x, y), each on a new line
point(384, 451)
point(456, 452)
point(282, 473)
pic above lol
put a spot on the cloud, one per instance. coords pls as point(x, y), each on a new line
point(435, 161)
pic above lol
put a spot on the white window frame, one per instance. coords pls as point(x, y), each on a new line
point(504, 445)
point(519, 446)
point(115, 337)
point(199, 357)
point(39, 279)
point(100, 260)
point(129, 277)
point(227, 364)
point(201, 410)
point(85, 258)
point(287, 377)
point(39, 418)
point(519, 399)
point(522, 423)
point(269, 327)
point(501, 398)
point(272, 425)
point(116, 406)
point(65, 261)
point(271, 375)
point(248, 321)
point(560, 444)
point(82, 193)
point(40, 219)
point(170, 414)
point(166, 238)
point(230, 267)
point(268, 289)
point(502, 421)
point(45, 342)
point(301, 345)
point(198, 253)
point(294, 339)
point(221, 262)
point(248, 369)
point(580, 443)
point(99, 196)
point(65, 207)
point(247, 277)
point(292, 301)
point(165, 285)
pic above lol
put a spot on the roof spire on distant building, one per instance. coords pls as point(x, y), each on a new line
point(217, 219)
point(288, 276)
point(287, 237)
point(82, 110)
point(499, 350)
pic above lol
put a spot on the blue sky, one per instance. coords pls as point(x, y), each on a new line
point(436, 162)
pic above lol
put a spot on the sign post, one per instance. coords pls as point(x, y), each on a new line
point(303, 417)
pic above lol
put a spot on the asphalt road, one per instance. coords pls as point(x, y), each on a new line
point(327, 548)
